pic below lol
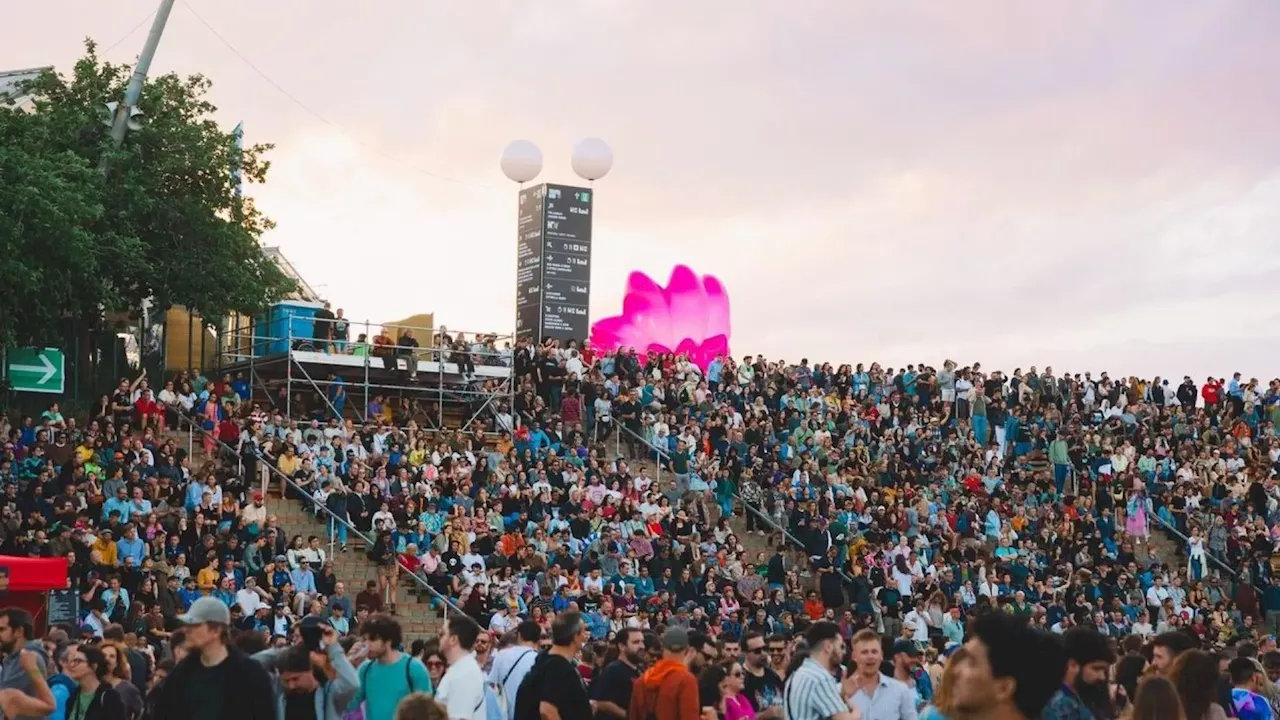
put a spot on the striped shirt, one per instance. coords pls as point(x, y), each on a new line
point(812, 694)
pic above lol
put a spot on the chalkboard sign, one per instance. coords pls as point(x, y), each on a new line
point(63, 608)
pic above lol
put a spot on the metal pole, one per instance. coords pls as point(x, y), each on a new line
point(288, 376)
point(120, 126)
point(368, 355)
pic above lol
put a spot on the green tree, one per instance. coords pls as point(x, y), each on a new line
point(164, 222)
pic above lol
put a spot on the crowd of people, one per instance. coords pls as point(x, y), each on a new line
point(905, 502)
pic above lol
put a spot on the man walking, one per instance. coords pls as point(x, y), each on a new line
point(510, 665)
point(462, 687)
point(215, 680)
point(668, 690)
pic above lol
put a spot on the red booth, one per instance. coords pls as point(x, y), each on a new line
point(25, 582)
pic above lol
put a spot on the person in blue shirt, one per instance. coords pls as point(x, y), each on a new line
point(189, 593)
point(131, 546)
point(115, 598)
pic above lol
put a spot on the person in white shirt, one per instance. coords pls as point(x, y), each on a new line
point(461, 689)
point(501, 622)
point(511, 664)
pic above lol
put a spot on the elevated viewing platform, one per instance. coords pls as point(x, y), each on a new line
point(299, 358)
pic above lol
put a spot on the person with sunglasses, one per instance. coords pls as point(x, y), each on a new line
point(762, 686)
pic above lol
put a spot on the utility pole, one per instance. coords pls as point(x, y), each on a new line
point(120, 125)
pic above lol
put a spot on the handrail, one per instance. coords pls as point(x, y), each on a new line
point(1186, 541)
point(664, 455)
point(449, 604)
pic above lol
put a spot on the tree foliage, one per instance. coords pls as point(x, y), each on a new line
point(163, 222)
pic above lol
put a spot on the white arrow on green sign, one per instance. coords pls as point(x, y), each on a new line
point(39, 370)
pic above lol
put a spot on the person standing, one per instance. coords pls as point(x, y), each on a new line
point(298, 691)
point(553, 689)
point(612, 689)
point(462, 689)
point(94, 698)
point(511, 665)
point(16, 643)
point(668, 690)
point(1008, 671)
point(762, 685)
point(215, 680)
point(388, 675)
point(812, 692)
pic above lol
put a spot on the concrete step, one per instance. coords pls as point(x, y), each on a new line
point(417, 618)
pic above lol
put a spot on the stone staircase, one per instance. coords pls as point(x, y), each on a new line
point(352, 567)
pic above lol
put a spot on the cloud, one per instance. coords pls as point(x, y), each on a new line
point(1091, 181)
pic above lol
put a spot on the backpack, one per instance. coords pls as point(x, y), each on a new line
point(528, 697)
point(496, 694)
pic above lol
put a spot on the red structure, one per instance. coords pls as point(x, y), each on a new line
point(26, 582)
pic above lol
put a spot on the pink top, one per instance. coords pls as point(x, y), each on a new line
point(738, 707)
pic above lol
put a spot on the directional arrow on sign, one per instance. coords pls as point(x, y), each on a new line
point(47, 368)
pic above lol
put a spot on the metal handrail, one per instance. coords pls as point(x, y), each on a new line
point(664, 455)
point(1186, 541)
point(449, 604)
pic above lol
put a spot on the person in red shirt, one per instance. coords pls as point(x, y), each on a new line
point(149, 411)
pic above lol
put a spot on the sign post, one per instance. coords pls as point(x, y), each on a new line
point(553, 271)
point(37, 370)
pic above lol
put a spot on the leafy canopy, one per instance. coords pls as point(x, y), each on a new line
point(164, 222)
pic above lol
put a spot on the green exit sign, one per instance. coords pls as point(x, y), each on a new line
point(583, 197)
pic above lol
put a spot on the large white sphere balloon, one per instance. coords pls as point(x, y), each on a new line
point(592, 159)
point(521, 161)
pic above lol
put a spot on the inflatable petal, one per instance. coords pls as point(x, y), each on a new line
point(690, 314)
point(687, 304)
point(649, 315)
point(717, 308)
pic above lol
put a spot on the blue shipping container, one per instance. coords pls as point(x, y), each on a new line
point(289, 319)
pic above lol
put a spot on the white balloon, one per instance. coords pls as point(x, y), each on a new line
point(592, 159)
point(521, 161)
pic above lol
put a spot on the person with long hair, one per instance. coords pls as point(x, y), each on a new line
point(1156, 699)
point(1195, 674)
point(943, 707)
point(118, 677)
point(95, 698)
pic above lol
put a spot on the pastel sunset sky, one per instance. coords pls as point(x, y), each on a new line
point(1091, 185)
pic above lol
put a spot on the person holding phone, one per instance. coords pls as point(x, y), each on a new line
point(312, 676)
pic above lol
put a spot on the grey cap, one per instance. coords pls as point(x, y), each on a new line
point(207, 610)
point(675, 639)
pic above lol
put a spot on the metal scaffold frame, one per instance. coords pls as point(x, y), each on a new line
point(429, 373)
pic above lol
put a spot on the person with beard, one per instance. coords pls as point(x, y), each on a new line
point(612, 688)
point(1009, 670)
point(812, 691)
point(1084, 694)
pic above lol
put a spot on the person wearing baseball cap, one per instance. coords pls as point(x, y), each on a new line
point(215, 680)
point(668, 690)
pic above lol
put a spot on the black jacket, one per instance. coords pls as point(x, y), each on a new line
point(105, 705)
point(254, 698)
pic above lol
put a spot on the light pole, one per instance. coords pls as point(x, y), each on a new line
point(124, 111)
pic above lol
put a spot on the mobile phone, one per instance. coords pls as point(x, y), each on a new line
point(311, 635)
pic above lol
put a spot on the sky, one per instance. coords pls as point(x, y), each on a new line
point(1088, 185)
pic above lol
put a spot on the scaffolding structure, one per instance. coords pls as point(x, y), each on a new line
point(432, 380)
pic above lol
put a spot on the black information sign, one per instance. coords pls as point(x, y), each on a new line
point(553, 271)
point(529, 263)
point(63, 608)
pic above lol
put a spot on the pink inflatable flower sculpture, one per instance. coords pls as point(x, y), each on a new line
point(690, 316)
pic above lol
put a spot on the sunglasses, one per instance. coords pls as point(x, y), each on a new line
point(434, 663)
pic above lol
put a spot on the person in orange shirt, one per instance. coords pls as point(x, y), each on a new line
point(668, 690)
point(813, 607)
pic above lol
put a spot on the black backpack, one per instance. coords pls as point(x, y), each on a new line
point(528, 699)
